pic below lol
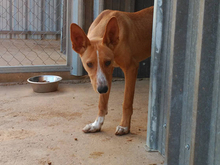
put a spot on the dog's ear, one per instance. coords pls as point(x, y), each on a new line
point(79, 39)
point(111, 36)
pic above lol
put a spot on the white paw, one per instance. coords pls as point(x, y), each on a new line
point(95, 126)
point(121, 130)
point(90, 128)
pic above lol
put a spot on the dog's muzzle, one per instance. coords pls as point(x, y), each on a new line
point(102, 89)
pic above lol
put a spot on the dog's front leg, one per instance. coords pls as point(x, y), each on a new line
point(103, 110)
point(130, 80)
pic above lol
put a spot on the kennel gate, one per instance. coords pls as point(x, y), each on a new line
point(32, 36)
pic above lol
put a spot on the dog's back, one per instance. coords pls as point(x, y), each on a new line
point(135, 31)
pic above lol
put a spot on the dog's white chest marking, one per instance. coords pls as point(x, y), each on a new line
point(101, 79)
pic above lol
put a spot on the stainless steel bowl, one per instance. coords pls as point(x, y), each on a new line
point(44, 83)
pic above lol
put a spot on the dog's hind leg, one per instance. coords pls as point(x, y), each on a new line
point(130, 80)
point(103, 110)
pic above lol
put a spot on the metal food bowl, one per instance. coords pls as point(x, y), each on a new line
point(44, 83)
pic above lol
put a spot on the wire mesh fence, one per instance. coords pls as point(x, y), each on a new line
point(32, 32)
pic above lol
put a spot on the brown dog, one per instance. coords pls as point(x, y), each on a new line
point(114, 39)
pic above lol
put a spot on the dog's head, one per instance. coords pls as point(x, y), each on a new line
point(97, 55)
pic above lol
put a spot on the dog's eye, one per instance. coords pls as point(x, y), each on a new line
point(89, 64)
point(107, 63)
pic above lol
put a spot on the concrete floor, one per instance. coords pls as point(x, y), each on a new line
point(45, 129)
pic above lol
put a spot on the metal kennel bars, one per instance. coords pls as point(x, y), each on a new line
point(184, 109)
point(32, 34)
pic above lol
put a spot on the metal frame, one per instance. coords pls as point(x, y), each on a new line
point(38, 68)
point(29, 32)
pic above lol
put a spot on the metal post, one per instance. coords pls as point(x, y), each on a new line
point(63, 26)
point(42, 18)
point(58, 16)
point(129, 5)
point(26, 18)
point(74, 15)
point(153, 106)
point(10, 17)
point(98, 7)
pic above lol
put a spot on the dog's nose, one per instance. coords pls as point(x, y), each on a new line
point(102, 89)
